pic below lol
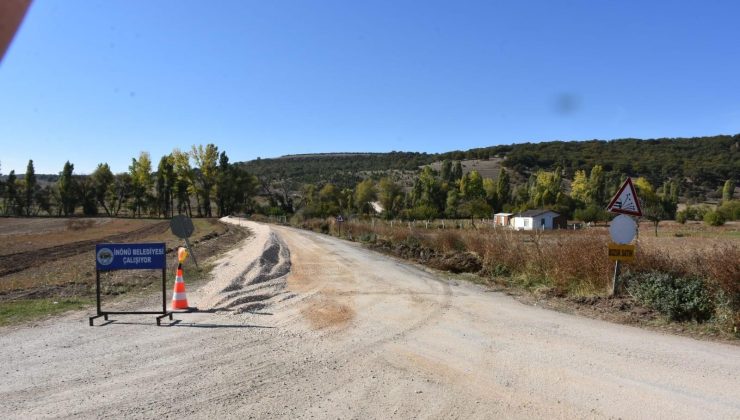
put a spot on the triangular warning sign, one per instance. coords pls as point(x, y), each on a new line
point(625, 200)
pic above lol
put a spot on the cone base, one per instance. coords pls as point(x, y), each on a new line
point(180, 304)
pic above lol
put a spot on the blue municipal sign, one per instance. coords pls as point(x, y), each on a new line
point(130, 256)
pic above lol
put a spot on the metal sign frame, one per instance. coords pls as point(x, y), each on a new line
point(99, 267)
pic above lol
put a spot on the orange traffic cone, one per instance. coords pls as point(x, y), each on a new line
point(179, 298)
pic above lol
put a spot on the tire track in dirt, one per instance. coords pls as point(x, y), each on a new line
point(19, 261)
point(331, 303)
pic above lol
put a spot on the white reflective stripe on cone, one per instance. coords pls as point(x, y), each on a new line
point(179, 296)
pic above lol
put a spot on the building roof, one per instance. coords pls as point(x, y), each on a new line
point(503, 214)
point(537, 212)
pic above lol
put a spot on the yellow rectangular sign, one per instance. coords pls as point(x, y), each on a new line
point(619, 252)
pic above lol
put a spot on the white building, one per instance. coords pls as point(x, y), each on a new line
point(536, 219)
point(502, 219)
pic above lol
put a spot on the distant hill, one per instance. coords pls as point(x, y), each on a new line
point(342, 169)
point(704, 162)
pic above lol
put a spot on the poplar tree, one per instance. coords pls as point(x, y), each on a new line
point(390, 196)
point(579, 188)
point(364, 194)
point(30, 187)
point(141, 179)
point(457, 171)
point(446, 172)
point(165, 182)
point(11, 194)
point(184, 181)
point(728, 190)
point(67, 190)
point(206, 159)
point(451, 203)
point(597, 186)
point(503, 188)
point(102, 180)
point(224, 186)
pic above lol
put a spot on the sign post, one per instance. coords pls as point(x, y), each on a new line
point(145, 256)
point(340, 220)
point(182, 227)
point(623, 228)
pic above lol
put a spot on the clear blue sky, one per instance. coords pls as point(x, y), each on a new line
point(100, 81)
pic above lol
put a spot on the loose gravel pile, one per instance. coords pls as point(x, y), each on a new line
point(238, 290)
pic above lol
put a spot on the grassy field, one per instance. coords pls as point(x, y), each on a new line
point(47, 265)
point(24, 310)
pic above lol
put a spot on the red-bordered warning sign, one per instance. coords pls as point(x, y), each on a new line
point(625, 201)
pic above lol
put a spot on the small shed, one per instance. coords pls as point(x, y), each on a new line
point(502, 219)
point(543, 219)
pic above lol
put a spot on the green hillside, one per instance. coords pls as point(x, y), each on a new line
point(700, 162)
point(341, 169)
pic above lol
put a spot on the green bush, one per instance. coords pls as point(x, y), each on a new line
point(730, 210)
point(696, 212)
point(714, 218)
point(679, 298)
point(591, 214)
point(681, 217)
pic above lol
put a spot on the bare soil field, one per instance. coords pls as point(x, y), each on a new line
point(350, 333)
point(54, 257)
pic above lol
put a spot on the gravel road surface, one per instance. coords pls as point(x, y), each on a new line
point(350, 333)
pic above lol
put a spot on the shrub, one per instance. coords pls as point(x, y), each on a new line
point(591, 214)
point(730, 209)
point(714, 218)
point(449, 241)
point(696, 212)
point(680, 298)
point(681, 217)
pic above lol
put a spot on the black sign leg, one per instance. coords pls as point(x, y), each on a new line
point(164, 290)
point(97, 298)
point(97, 290)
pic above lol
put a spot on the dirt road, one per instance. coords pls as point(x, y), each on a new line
point(350, 333)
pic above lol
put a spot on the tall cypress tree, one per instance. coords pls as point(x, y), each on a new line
point(503, 188)
point(446, 172)
point(11, 194)
point(30, 186)
point(457, 171)
point(728, 190)
point(67, 190)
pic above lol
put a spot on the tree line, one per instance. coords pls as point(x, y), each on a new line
point(194, 182)
point(448, 193)
point(185, 182)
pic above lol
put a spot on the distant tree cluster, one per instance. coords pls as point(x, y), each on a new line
point(140, 192)
point(434, 194)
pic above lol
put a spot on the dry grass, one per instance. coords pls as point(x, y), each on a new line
point(570, 263)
